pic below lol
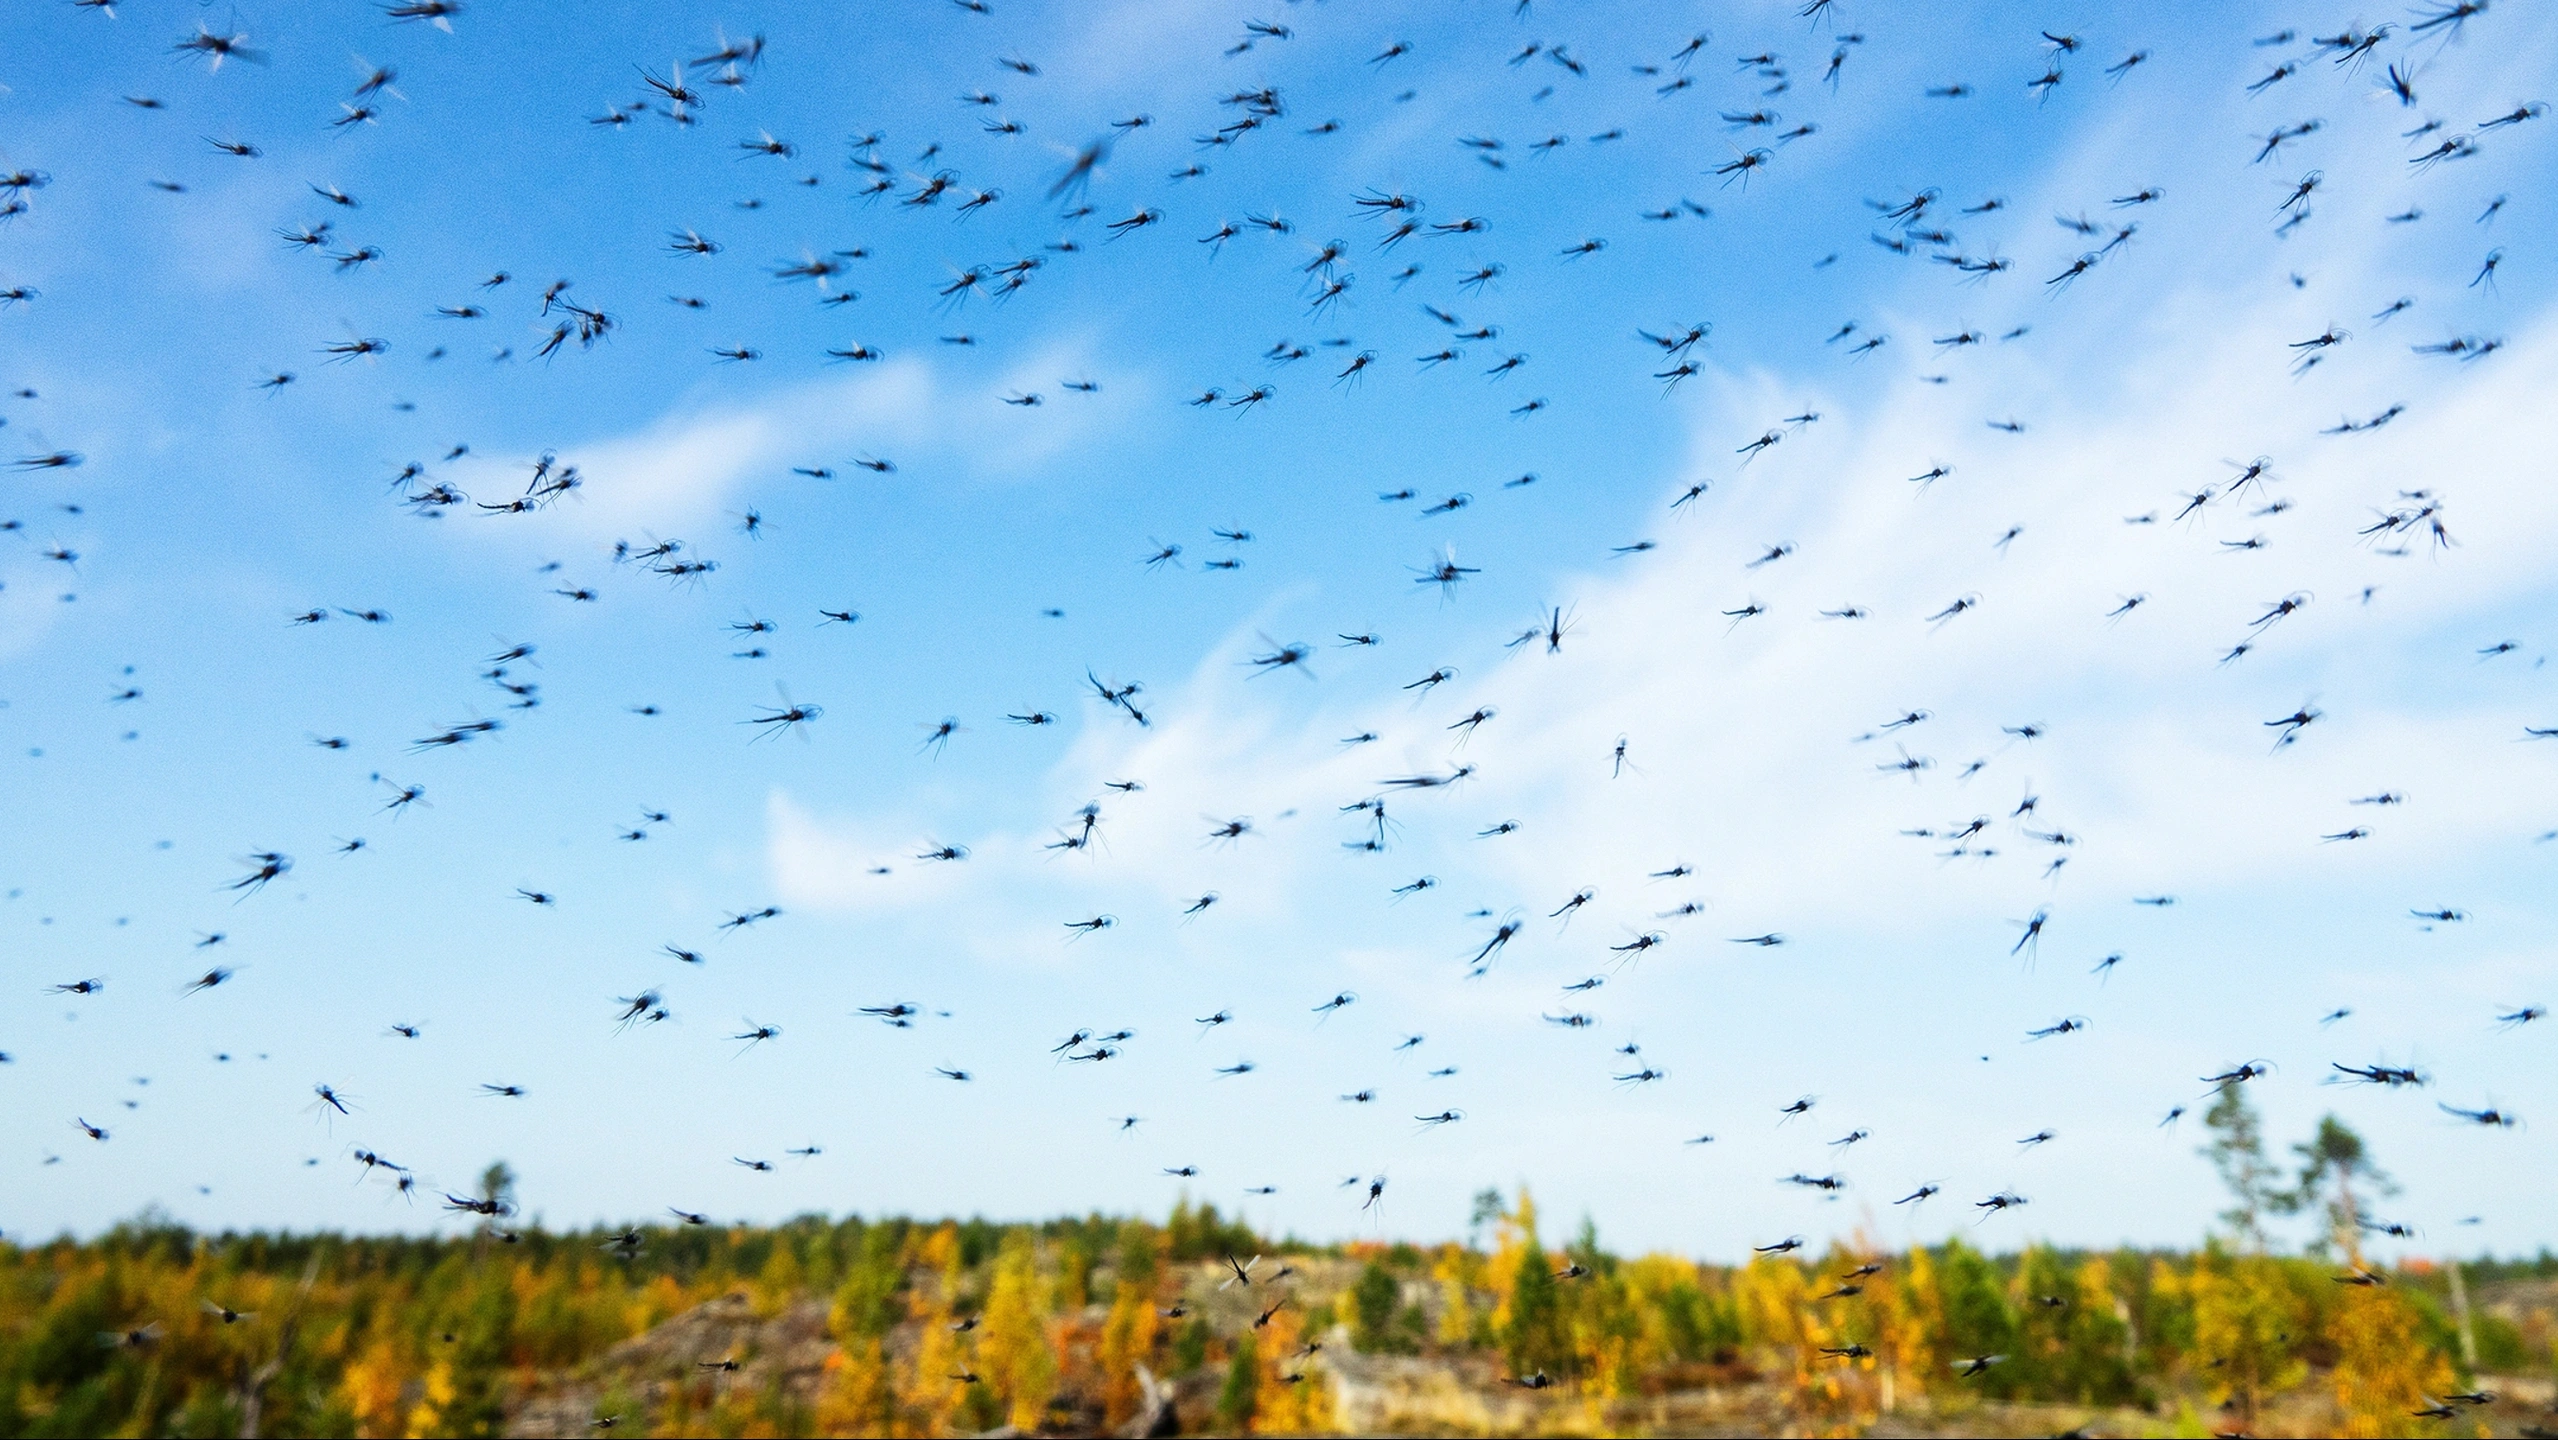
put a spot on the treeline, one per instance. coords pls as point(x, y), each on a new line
point(154, 1329)
point(1857, 1332)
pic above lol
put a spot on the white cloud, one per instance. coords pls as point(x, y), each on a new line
point(1745, 761)
point(684, 468)
point(1741, 732)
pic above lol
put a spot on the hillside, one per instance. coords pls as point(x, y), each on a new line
point(1101, 1326)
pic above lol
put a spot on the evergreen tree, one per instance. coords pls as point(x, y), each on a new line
point(1374, 1300)
point(1533, 1330)
point(2333, 1163)
point(2237, 1151)
point(1242, 1387)
point(497, 1187)
point(1979, 1320)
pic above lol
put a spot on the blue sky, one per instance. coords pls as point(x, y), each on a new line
point(208, 511)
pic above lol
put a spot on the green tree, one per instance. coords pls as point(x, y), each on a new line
point(1374, 1299)
point(1243, 1383)
point(866, 1303)
point(1695, 1325)
point(1190, 1347)
point(1979, 1320)
point(2249, 1323)
point(2081, 1344)
point(1535, 1334)
point(497, 1188)
point(2237, 1151)
point(2333, 1163)
point(1198, 1234)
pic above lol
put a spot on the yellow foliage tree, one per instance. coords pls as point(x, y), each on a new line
point(663, 1299)
point(855, 1397)
point(1457, 1271)
point(1643, 1296)
point(427, 1418)
point(1292, 1398)
point(1606, 1334)
point(2385, 1371)
point(931, 1390)
point(1517, 1232)
point(1777, 1310)
point(2248, 1327)
point(780, 1281)
point(1909, 1331)
point(1127, 1338)
point(1015, 1353)
point(373, 1385)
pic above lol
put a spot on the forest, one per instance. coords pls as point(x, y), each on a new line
point(1197, 1324)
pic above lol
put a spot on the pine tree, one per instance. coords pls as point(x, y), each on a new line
point(1242, 1387)
point(2237, 1151)
point(2333, 1163)
point(1373, 1303)
point(1530, 1321)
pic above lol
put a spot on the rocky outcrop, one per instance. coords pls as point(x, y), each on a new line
point(788, 1348)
